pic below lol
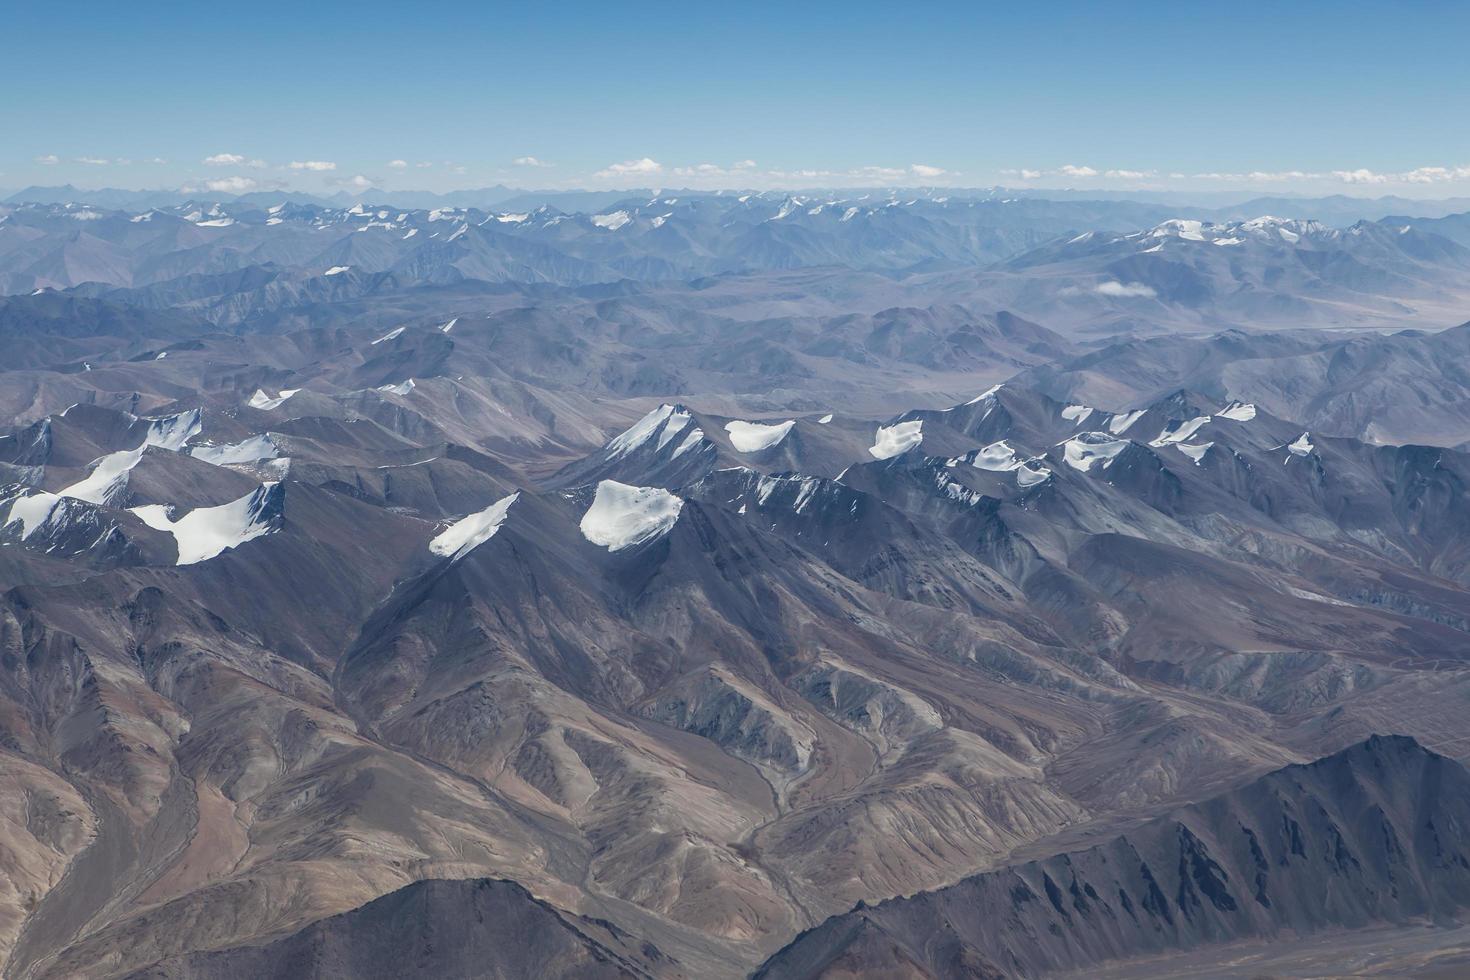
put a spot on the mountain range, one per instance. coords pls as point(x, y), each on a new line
point(245, 265)
point(730, 585)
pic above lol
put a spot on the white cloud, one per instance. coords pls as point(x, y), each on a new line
point(224, 160)
point(1258, 176)
point(700, 170)
point(1360, 176)
point(231, 185)
point(317, 165)
point(747, 174)
point(93, 161)
point(423, 164)
point(1123, 289)
point(50, 159)
point(1433, 175)
point(160, 161)
point(398, 164)
point(1076, 172)
point(1419, 175)
point(882, 174)
point(356, 183)
point(629, 167)
point(529, 162)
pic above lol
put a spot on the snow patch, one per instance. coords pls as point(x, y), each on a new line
point(32, 510)
point(996, 457)
point(1238, 412)
point(1176, 432)
point(401, 388)
point(205, 532)
point(999, 457)
point(1196, 453)
point(623, 516)
point(1027, 476)
point(266, 403)
point(1077, 414)
point(1121, 423)
point(251, 450)
point(892, 440)
point(468, 533)
point(613, 221)
point(753, 437)
point(1084, 451)
point(1185, 228)
point(694, 438)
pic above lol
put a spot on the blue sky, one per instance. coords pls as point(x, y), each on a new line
point(1364, 98)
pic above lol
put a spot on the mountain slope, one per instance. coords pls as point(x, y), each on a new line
point(481, 928)
point(1373, 834)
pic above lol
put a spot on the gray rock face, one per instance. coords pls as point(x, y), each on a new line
point(1373, 834)
point(475, 928)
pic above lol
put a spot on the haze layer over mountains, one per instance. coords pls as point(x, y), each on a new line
point(671, 584)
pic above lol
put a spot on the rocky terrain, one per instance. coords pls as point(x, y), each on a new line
point(523, 599)
point(1371, 834)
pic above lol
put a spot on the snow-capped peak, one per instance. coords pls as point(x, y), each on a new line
point(1267, 228)
point(666, 421)
point(988, 392)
